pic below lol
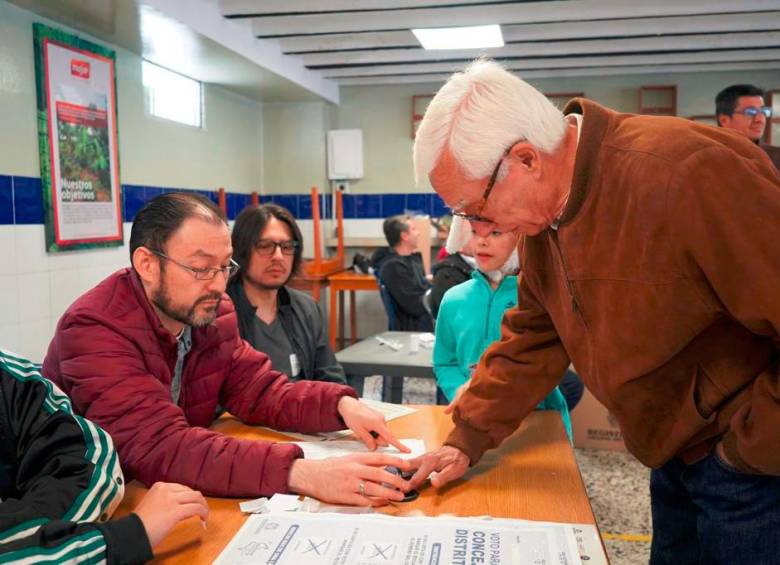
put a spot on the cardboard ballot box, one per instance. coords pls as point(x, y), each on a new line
point(594, 426)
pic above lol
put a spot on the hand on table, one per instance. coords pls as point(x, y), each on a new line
point(444, 464)
point(368, 425)
point(352, 479)
point(167, 504)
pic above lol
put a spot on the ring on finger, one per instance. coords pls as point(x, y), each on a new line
point(362, 488)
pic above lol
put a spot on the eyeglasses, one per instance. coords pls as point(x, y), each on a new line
point(205, 274)
point(752, 111)
point(477, 217)
point(267, 247)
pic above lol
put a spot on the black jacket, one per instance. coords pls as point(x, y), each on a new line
point(59, 477)
point(449, 272)
point(304, 325)
point(404, 277)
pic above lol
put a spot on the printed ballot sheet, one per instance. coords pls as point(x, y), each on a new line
point(302, 538)
point(325, 449)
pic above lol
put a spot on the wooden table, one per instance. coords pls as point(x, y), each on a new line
point(533, 475)
point(339, 283)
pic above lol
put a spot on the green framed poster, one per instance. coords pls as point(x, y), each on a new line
point(77, 139)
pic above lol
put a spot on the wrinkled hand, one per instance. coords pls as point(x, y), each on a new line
point(458, 393)
point(443, 465)
point(338, 480)
point(167, 504)
point(368, 425)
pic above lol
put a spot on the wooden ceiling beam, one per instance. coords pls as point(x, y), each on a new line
point(514, 13)
point(437, 79)
point(245, 8)
point(747, 55)
point(764, 21)
point(551, 48)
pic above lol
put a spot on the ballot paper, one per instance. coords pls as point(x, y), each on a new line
point(337, 448)
point(388, 410)
point(302, 538)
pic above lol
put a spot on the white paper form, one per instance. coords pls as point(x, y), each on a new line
point(338, 448)
point(388, 410)
point(302, 538)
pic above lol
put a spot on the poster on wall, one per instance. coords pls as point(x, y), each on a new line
point(77, 138)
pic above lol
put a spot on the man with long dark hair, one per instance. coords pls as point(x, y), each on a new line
point(284, 323)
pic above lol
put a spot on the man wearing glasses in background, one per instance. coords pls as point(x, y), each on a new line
point(284, 323)
point(149, 353)
point(650, 262)
point(741, 107)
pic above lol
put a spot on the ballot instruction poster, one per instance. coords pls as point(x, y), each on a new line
point(302, 538)
point(77, 135)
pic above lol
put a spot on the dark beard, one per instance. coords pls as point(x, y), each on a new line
point(162, 300)
point(247, 279)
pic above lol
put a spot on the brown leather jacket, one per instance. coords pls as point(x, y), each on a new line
point(662, 285)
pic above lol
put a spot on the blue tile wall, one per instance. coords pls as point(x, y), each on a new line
point(438, 208)
point(289, 201)
point(21, 202)
point(230, 203)
point(134, 200)
point(392, 205)
point(418, 203)
point(6, 200)
point(348, 202)
point(369, 205)
point(304, 208)
point(28, 200)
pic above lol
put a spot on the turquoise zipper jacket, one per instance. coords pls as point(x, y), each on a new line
point(469, 321)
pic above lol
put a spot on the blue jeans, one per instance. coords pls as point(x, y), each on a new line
point(710, 513)
point(572, 388)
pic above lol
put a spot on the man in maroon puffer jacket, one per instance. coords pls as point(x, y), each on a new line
point(150, 352)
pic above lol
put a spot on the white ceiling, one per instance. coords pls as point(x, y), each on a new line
point(304, 49)
point(370, 42)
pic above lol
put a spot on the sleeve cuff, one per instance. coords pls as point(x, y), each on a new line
point(344, 390)
point(126, 541)
point(470, 441)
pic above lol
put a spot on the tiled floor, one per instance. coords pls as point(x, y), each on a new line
point(617, 486)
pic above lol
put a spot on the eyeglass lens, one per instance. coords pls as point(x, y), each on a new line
point(268, 247)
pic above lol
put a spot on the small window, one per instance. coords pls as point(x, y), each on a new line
point(172, 96)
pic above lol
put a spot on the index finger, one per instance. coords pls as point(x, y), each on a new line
point(427, 466)
point(384, 433)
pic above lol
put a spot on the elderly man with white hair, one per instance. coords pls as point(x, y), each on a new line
point(647, 264)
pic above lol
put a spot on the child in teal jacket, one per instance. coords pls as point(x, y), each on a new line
point(469, 321)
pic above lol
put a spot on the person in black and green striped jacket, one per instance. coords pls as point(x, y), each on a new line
point(60, 481)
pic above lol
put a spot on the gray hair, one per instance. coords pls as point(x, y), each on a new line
point(478, 114)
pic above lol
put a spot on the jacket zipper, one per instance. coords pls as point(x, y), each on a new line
point(575, 306)
point(491, 294)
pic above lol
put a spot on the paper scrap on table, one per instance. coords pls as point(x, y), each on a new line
point(325, 449)
point(388, 410)
point(277, 503)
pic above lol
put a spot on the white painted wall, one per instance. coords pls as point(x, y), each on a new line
point(36, 287)
point(384, 114)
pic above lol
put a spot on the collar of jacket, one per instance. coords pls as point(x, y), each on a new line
point(139, 293)
point(478, 275)
point(453, 261)
point(596, 120)
point(248, 310)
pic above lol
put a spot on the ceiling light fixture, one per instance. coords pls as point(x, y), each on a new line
point(471, 37)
